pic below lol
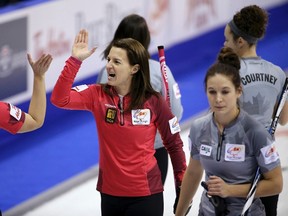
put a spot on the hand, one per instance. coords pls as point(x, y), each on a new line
point(41, 65)
point(176, 202)
point(217, 187)
point(80, 47)
point(218, 202)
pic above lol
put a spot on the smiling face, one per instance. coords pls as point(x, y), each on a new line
point(120, 71)
point(222, 97)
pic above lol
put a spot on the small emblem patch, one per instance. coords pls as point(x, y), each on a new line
point(15, 112)
point(111, 115)
point(80, 88)
point(174, 125)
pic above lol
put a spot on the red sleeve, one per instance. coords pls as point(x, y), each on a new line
point(63, 95)
point(12, 118)
point(172, 141)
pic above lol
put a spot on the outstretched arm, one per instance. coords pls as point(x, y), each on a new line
point(34, 119)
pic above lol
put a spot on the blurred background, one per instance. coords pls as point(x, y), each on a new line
point(39, 166)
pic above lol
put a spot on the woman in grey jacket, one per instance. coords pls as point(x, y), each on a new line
point(262, 81)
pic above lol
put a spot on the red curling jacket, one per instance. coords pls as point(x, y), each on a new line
point(127, 166)
point(11, 117)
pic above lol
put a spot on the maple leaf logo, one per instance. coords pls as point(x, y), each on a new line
point(257, 106)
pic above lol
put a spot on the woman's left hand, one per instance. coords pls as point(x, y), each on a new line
point(217, 187)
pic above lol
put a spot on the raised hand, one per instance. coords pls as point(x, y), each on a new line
point(41, 65)
point(80, 47)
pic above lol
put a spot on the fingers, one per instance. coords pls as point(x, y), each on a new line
point(214, 183)
point(85, 36)
point(78, 37)
point(82, 36)
point(214, 180)
point(80, 47)
point(47, 61)
point(42, 64)
point(44, 60)
point(212, 177)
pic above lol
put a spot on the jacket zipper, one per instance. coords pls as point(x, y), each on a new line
point(221, 138)
point(121, 102)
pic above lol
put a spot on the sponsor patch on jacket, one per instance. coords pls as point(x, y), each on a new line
point(234, 152)
point(176, 91)
point(174, 125)
point(15, 112)
point(80, 88)
point(110, 105)
point(111, 115)
point(270, 153)
point(205, 150)
point(141, 117)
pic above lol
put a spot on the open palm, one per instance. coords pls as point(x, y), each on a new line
point(80, 47)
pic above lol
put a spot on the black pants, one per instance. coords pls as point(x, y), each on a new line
point(132, 206)
point(270, 204)
point(161, 156)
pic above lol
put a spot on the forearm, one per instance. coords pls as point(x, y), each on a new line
point(271, 184)
point(178, 161)
point(171, 140)
point(37, 107)
point(264, 188)
point(190, 184)
point(188, 191)
point(61, 93)
point(239, 190)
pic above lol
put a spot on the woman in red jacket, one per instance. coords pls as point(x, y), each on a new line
point(128, 112)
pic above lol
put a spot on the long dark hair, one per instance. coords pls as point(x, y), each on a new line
point(131, 26)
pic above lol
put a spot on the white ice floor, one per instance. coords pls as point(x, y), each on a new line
point(84, 200)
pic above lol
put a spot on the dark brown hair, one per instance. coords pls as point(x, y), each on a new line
point(251, 20)
point(131, 26)
point(227, 64)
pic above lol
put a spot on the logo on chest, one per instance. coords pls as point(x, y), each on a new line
point(205, 150)
point(234, 152)
point(141, 117)
point(111, 115)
